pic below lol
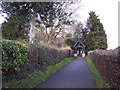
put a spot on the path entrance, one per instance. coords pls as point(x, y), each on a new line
point(76, 74)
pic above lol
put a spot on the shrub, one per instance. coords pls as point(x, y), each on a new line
point(44, 56)
point(69, 42)
point(14, 55)
point(108, 65)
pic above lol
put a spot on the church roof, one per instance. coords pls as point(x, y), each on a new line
point(79, 44)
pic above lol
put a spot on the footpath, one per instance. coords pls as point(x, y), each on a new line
point(75, 74)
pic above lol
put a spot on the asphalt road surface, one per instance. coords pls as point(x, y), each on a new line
point(75, 74)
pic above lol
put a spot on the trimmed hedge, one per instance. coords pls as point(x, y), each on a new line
point(108, 64)
point(41, 56)
point(19, 60)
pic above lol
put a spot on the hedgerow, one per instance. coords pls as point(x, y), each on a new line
point(44, 56)
point(14, 55)
point(19, 60)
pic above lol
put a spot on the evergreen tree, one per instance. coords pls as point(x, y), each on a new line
point(13, 30)
point(47, 12)
point(96, 38)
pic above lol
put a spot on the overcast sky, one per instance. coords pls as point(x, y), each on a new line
point(108, 14)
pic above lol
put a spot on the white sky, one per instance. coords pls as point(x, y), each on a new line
point(108, 14)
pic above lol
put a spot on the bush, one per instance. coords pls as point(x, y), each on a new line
point(14, 55)
point(44, 56)
point(69, 42)
point(107, 63)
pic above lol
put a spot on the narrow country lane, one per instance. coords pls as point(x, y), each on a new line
point(75, 74)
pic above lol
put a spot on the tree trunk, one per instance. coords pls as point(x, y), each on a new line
point(32, 29)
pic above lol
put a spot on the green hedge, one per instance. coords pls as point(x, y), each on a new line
point(44, 56)
point(19, 60)
point(13, 56)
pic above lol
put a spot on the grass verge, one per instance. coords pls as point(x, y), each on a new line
point(96, 75)
point(37, 77)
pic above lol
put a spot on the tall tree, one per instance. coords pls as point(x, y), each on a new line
point(93, 22)
point(29, 11)
point(19, 14)
point(96, 37)
point(78, 31)
point(13, 30)
point(54, 20)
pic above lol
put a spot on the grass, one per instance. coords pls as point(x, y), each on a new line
point(0, 75)
point(37, 77)
point(96, 75)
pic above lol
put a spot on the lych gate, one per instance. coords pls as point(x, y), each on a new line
point(79, 48)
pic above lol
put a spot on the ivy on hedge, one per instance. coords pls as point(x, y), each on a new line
point(19, 60)
point(14, 55)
